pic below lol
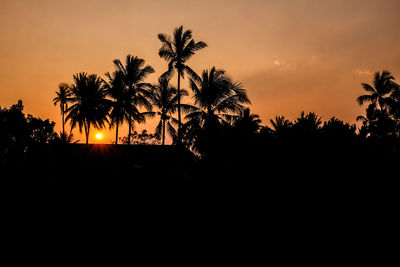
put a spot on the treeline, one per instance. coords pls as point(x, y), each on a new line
point(219, 119)
point(290, 179)
point(125, 95)
point(306, 151)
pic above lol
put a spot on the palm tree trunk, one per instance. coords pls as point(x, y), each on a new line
point(129, 130)
point(179, 105)
point(163, 132)
point(63, 121)
point(116, 134)
point(87, 128)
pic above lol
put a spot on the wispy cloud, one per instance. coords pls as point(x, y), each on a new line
point(363, 71)
point(284, 65)
point(279, 63)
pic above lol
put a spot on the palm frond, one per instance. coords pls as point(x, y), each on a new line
point(170, 72)
point(368, 88)
point(365, 98)
point(186, 108)
point(166, 53)
point(191, 73)
point(361, 118)
point(158, 130)
point(171, 130)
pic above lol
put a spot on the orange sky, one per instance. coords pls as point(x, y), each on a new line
point(291, 56)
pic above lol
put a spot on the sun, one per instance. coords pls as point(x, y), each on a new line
point(99, 136)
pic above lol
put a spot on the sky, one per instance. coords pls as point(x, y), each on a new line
point(291, 56)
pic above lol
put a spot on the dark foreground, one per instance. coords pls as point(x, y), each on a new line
point(104, 205)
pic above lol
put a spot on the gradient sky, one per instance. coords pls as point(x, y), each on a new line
point(291, 56)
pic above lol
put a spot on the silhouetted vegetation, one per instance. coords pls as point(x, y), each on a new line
point(165, 98)
point(218, 126)
point(63, 96)
point(133, 74)
point(19, 132)
point(177, 50)
point(143, 138)
point(89, 104)
point(221, 153)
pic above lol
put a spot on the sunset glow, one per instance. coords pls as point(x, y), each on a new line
point(99, 136)
point(181, 113)
point(290, 56)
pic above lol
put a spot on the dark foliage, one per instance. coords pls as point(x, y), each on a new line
point(19, 132)
point(177, 50)
point(143, 138)
point(228, 178)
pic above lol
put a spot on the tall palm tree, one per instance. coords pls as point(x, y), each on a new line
point(217, 99)
point(177, 50)
point(121, 106)
point(63, 96)
point(382, 86)
point(134, 72)
point(90, 106)
point(165, 98)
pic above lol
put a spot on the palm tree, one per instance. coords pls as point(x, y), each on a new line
point(395, 102)
point(63, 95)
point(337, 128)
point(377, 122)
point(248, 122)
point(381, 87)
point(217, 99)
point(121, 102)
point(66, 138)
point(90, 106)
point(309, 123)
point(217, 96)
point(134, 72)
point(177, 50)
point(165, 98)
point(382, 95)
point(281, 124)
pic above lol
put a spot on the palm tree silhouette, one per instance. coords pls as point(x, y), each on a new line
point(177, 51)
point(377, 122)
point(382, 95)
point(90, 106)
point(382, 85)
point(63, 96)
point(134, 72)
point(217, 99)
point(165, 98)
point(281, 124)
point(248, 122)
point(310, 122)
point(121, 105)
point(66, 138)
point(395, 103)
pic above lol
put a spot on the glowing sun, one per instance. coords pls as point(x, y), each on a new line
point(99, 136)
